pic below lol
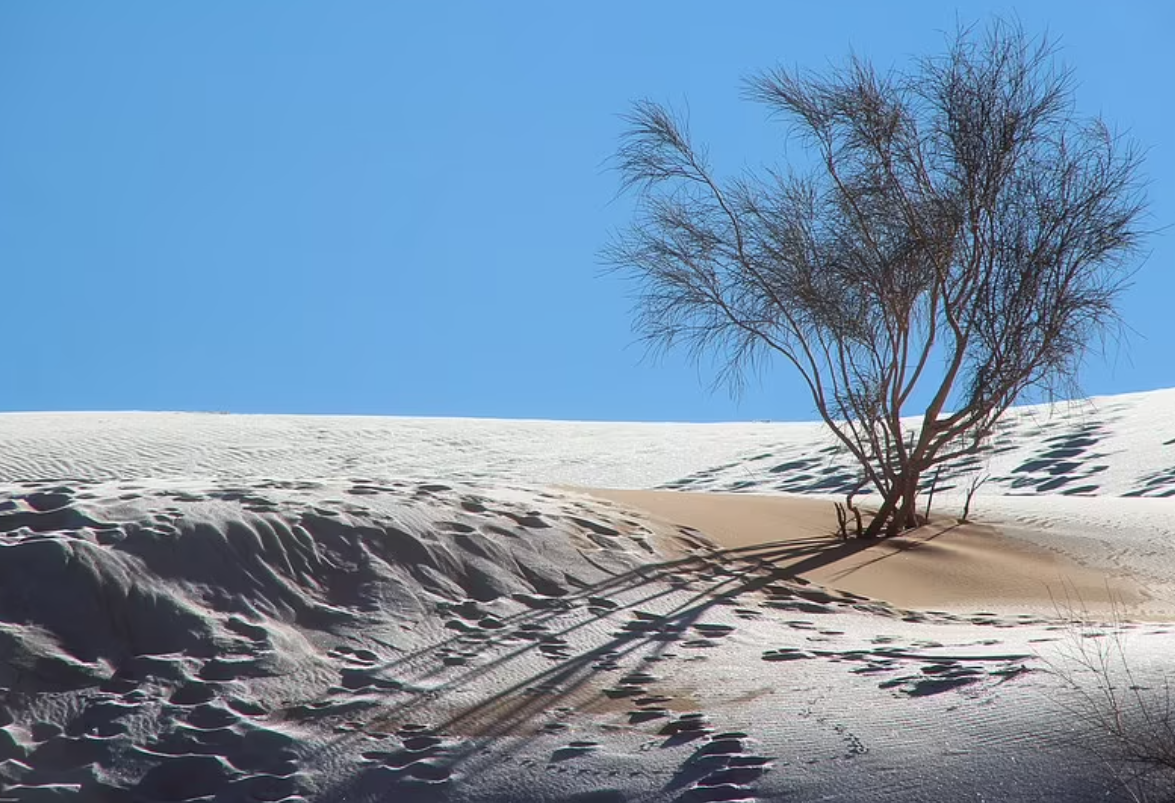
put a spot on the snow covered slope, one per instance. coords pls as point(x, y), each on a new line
point(221, 608)
point(1116, 445)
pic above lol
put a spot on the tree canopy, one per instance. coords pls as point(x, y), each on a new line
point(963, 237)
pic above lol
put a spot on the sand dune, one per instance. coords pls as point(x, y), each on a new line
point(225, 608)
point(242, 612)
point(1108, 446)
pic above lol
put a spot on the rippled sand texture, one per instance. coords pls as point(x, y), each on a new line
point(206, 607)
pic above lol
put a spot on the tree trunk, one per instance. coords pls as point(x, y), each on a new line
point(907, 514)
point(897, 511)
point(884, 513)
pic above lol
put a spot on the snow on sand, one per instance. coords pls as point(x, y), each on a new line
point(208, 607)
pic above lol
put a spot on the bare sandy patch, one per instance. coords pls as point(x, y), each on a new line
point(944, 565)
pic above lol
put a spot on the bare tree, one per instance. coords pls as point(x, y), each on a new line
point(844, 509)
point(962, 238)
point(977, 482)
point(930, 494)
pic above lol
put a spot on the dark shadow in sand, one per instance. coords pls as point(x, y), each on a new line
point(713, 576)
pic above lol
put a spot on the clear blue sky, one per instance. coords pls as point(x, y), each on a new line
point(396, 208)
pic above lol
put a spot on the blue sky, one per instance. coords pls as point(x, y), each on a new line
point(396, 208)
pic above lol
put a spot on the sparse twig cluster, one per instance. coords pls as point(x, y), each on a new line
point(843, 511)
point(977, 481)
point(1108, 697)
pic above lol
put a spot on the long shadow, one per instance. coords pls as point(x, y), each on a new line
point(899, 546)
point(723, 574)
point(815, 552)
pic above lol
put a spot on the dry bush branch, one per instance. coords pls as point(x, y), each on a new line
point(964, 237)
point(1108, 698)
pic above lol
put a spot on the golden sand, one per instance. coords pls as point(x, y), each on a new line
point(944, 565)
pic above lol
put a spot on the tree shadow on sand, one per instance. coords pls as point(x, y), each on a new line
point(584, 680)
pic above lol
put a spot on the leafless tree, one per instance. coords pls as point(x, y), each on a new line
point(962, 238)
point(977, 482)
point(933, 488)
point(842, 520)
